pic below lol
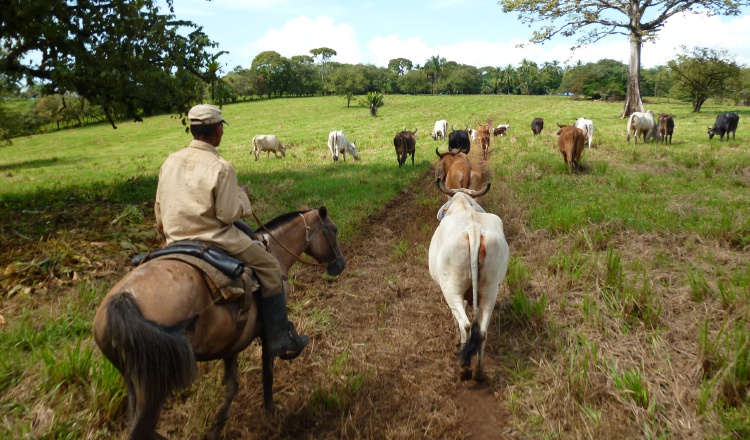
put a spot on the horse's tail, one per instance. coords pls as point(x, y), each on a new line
point(155, 358)
point(475, 254)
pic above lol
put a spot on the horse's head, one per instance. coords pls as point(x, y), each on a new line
point(324, 246)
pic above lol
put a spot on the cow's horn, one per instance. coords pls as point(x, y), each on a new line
point(476, 193)
point(558, 124)
point(438, 153)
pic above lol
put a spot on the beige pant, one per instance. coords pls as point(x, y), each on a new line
point(266, 268)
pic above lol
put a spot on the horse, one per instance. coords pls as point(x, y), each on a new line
point(160, 319)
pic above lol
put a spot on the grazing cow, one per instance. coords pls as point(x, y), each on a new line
point(459, 139)
point(641, 123)
point(468, 259)
point(665, 127)
point(725, 123)
point(570, 141)
point(537, 125)
point(455, 170)
point(587, 125)
point(441, 130)
point(405, 143)
point(268, 143)
point(339, 144)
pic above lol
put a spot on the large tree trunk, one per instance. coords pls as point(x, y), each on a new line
point(633, 101)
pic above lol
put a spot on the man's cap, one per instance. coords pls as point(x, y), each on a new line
point(205, 114)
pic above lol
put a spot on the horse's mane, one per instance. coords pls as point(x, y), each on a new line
point(283, 218)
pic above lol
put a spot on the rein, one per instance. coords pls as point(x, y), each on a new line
point(326, 231)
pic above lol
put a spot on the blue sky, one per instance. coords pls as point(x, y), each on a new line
point(474, 32)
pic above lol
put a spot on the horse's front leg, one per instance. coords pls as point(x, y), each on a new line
point(231, 384)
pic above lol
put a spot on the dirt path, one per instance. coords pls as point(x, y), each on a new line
point(390, 321)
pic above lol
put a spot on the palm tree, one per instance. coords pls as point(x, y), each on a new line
point(508, 78)
point(434, 68)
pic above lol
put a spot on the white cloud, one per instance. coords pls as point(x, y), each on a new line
point(297, 36)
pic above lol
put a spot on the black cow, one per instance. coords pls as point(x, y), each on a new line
point(725, 123)
point(537, 125)
point(459, 139)
point(405, 143)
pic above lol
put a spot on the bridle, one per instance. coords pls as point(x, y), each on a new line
point(326, 231)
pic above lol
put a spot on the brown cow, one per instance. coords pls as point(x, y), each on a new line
point(665, 127)
point(457, 171)
point(405, 143)
point(483, 137)
point(570, 141)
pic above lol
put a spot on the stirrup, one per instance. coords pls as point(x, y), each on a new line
point(288, 356)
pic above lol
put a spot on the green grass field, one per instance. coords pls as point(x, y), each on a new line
point(624, 268)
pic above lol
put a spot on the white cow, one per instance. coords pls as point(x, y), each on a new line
point(472, 133)
point(587, 126)
point(642, 124)
point(268, 143)
point(468, 253)
point(339, 144)
point(441, 130)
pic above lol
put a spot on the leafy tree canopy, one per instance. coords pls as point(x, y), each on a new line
point(702, 73)
point(593, 20)
point(124, 55)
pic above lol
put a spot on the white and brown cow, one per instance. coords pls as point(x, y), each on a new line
point(468, 259)
point(339, 144)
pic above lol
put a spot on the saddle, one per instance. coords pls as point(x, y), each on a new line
point(227, 277)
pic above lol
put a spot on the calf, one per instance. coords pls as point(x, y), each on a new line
point(641, 123)
point(587, 125)
point(537, 125)
point(268, 143)
point(405, 143)
point(665, 127)
point(500, 130)
point(468, 259)
point(440, 131)
point(725, 123)
point(459, 139)
point(339, 144)
point(483, 136)
point(570, 141)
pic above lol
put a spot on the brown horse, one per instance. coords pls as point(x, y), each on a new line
point(160, 319)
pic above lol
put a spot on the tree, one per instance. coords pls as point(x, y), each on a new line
point(413, 82)
point(613, 17)
point(702, 73)
point(123, 55)
point(508, 79)
point(348, 80)
point(433, 67)
point(322, 55)
point(400, 66)
point(275, 69)
point(373, 101)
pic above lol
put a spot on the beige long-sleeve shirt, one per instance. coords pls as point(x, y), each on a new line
point(198, 198)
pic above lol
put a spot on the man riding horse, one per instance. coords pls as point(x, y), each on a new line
point(198, 199)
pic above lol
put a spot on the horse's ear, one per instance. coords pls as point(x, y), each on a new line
point(302, 207)
point(323, 212)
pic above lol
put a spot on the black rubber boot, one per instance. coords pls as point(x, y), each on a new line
point(280, 335)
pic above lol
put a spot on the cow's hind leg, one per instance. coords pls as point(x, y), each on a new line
point(231, 384)
point(456, 304)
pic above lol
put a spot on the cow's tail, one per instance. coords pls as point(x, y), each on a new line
point(630, 126)
point(475, 339)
